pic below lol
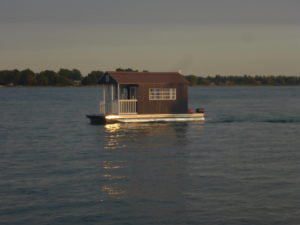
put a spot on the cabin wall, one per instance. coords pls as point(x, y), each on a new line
point(146, 106)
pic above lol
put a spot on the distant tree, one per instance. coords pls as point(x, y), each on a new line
point(48, 77)
point(126, 70)
point(63, 81)
point(249, 80)
point(292, 80)
point(17, 76)
point(280, 80)
point(219, 80)
point(2, 77)
point(76, 75)
point(70, 74)
point(42, 79)
point(192, 79)
point(269, 81)
point(92, 78)
point(27, 77)
point(202, 81)
point(10, 77)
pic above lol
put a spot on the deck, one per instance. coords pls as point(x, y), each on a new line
point(107, 119)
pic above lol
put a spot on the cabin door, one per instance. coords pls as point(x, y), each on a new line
point(128, 92)
point(133, 93)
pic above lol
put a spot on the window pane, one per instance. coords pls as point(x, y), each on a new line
point(162, 93)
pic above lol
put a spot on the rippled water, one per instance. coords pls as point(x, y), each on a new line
point(240, 166)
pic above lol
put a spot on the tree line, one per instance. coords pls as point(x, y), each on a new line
point(63, 77)
point(248, 80)
point(66, 77)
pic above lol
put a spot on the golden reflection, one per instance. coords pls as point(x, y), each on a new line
point(113, 136)
point(111, 168)
point(113, 177)
point(108, 165)
point(113, 144)
point(112, 127)
point(113, 191)
point(119, 136)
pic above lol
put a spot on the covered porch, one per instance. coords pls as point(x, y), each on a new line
point(118, 99)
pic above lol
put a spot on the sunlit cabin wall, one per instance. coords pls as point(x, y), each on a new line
point(147, 106)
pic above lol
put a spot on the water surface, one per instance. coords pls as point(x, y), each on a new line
point(240, 166)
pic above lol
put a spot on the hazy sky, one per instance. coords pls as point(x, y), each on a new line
point(203, 37)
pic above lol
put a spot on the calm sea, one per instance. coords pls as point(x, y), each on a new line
point(240, 166)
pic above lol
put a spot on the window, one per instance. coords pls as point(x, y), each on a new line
point(162, 93)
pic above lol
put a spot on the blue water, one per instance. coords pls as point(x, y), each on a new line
point(240, 166)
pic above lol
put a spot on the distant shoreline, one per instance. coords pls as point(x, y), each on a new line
point(74, 78)
point(95, 86)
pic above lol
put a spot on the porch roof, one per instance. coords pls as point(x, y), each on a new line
point(147, 77)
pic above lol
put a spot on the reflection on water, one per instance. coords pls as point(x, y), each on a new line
point(113, 177)
point(111, 187)
point(112, 127)
point(113, 191)
point(109, 165)
point(118, 136)
point(148, 164)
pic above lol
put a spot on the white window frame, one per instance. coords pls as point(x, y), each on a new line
point(158, 94)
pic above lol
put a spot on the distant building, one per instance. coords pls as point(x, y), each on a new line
point(76, 82)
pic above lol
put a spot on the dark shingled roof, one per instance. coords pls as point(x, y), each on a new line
point(147, 77)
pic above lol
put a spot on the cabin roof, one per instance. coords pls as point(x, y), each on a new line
point(147, 77)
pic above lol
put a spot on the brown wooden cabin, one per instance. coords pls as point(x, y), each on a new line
point(144, 93)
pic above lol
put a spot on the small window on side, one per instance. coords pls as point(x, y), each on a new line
point(162, 93)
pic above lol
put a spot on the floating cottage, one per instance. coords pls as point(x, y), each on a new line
point(144, 97)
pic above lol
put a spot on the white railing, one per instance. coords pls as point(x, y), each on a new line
point(102, 107)
point(124, 106)
point(127, 106)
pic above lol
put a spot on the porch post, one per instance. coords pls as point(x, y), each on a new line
point(103, 96)
point(118, 98)
point(104, 102)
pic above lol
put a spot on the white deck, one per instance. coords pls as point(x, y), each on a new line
point(155, 118)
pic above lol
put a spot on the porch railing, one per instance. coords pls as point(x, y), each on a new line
point(127, 106)
point(102, 107)
point(123, 106)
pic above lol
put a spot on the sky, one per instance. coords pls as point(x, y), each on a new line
point(201, 37)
